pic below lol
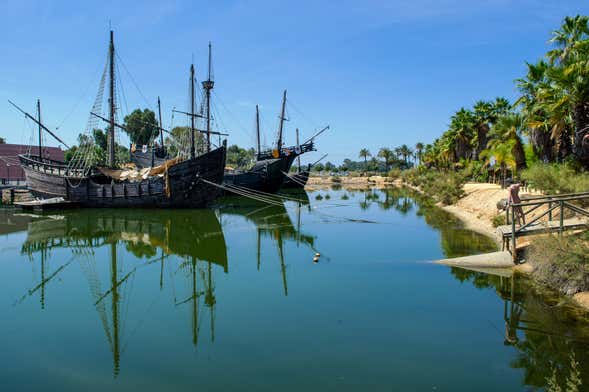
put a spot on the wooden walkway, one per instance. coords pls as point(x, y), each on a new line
point(556, 206)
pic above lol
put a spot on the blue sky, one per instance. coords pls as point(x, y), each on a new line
point(380, 73)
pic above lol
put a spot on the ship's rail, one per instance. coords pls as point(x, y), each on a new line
point(49, 166)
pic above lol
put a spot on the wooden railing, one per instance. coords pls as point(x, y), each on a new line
point(554, 203)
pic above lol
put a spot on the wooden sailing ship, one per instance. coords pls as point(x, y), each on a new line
point(270, 170)
point(181, 182)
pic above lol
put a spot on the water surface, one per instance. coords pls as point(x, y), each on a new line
point(231, 299)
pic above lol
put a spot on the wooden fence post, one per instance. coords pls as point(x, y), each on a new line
point(561, 226)
point(513, 250)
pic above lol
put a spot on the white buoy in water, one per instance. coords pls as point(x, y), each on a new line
point(317, 254)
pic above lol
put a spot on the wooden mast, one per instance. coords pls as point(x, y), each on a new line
point(159, 109)
point(208, 86)
point(40, 129)
point(258, 128)
point(192, 116)
point(280, 128)
point(112, 109)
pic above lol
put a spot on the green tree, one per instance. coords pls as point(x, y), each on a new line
point(387, 155)
point(419, 151)
point(141, 126)
point(2, 140)
point(405, 152)
point(240, 157)
point(501, 152)
point(365, 153)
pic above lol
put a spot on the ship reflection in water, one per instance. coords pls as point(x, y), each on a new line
point(189, 245)
point(171, 299)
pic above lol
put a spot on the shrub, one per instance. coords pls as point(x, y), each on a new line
point(553, 179)
point(562, 262)
point(499, 220)
point(336, 179)
point(394, 174)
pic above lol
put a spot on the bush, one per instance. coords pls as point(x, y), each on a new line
point(499, 220)
point(562, 263)
point(336, 179)
point(444, 187)
point(553, 179)
point(393, 174)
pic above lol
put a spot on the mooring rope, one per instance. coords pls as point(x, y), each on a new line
point(294, 178)
point(242, 193)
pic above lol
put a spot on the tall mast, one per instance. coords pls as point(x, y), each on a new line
point(112, 108)
point(279, 143)
point(258, 128)
point(208, 86)
point(39, 118)
point(299, 155)
point(192, 116)
point(159, 109)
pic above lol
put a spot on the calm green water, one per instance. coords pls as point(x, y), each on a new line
point(230, 299)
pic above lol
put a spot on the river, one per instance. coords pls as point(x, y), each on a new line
point(234, 298)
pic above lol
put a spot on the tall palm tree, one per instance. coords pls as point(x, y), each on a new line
point(570, 73)
point(419, 150)
point(387, 155)
point(364, 153)
point(501, 153)
point(483, 115)
point(507, 129)
point(539, 126)
point(405, 152)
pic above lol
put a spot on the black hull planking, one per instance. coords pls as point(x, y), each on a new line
point(180, 188)
point(266, 176)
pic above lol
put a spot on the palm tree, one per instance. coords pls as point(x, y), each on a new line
point(461, 133)
point(386, 154)
point(405, 152)
point(507, 130)
point(364, 153)
point(570, 74)
point(539, 128)
point(419, 150)
point(483, 115)
point(501, 153)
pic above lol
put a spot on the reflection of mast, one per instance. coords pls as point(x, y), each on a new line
point(194, 304)
point(210, 299)
point(43, 251)
point(162, 271)
point(259, 246)
point(282, 265)
point(115, 307)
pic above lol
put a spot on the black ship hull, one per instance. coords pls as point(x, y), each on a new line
point(180, 186)
point(151, 158)
point(266, 176)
